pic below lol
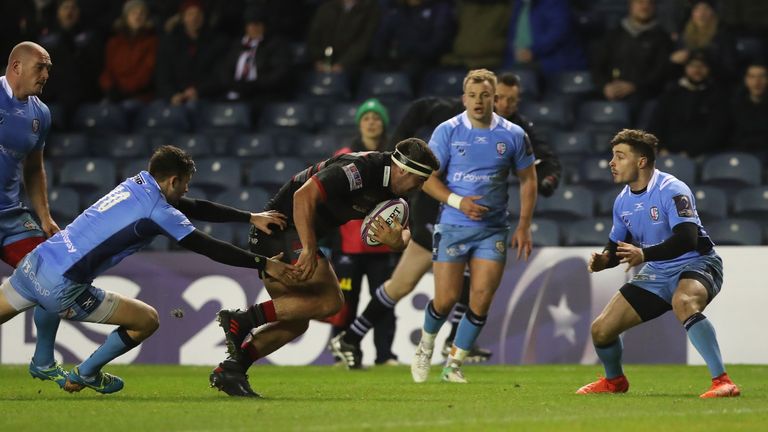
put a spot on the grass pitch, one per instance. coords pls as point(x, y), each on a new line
point(177, 398)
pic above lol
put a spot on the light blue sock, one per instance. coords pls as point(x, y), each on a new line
point(432, 320)
point(469, 328)
point(47, 325)
point(610, 355)
point(118, 343)
point(702, 335)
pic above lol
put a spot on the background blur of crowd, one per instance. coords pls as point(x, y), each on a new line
point(255, 89)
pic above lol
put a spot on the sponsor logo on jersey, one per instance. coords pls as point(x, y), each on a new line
point(654, 213)
point(683, 205)
point(471, 177)
point(353, 176)
point(501, 148)
point(639, 207)
point(481, 140)
point(35, 126)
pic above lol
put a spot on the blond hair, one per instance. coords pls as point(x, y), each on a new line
point(479, 76)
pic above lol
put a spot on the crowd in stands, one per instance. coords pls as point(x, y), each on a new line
point(242, 82)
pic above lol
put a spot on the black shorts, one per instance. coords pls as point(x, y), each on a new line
point(285, 241)
point(423, 214)
point(647, 304)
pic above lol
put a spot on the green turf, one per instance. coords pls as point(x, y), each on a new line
point(175, 398)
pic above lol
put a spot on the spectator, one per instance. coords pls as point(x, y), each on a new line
point(130, 56)
point(690, 117)
point(413, 36)
point(341, 33)
point(704, 31)
point(749, 112)
point(633, 59)
point(79, 57)
point(258, 68)
point(186, 56)
point(481, 35)
point(542, 35)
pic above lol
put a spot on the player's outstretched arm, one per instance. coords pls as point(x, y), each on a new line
point(209, 211)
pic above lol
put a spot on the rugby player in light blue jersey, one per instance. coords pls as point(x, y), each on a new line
point(24, 124)
point(477, 150)
point(655, 226)
point(58, 274)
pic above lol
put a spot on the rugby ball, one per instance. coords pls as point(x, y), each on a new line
point(389, 210)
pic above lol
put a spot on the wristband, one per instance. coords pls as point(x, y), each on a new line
point(454, 200)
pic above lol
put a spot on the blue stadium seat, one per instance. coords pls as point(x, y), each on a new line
point(131, 167)
point(711, 203)
point(442, 83)
point(252, 145)
point(341, 118)
point(196, 145)
point(595, 171)
point(121, 146)
point(750, 48)
point(196, 192)
point(568, 203)
point(605, 113)
point(57, 116)
point(250, 198)
point(554, 113)
point(605, 200)
point(233, 116)
point(736, 232)
point(88, 174)
point(529, 82)
point(588, 232)
point(216, 174)
point(274, 172)
point(325, 86)
point(732, 169)
point(386, 86)
point(220, 231)
point(66, 145)
point(578, 83)
point(751, 203)
point(545, 232)
point(288, 115)
point(101, 118)
point(570, 143)
point(679, 166)
point(65, 204)
point(162, 117)
point(317, 147)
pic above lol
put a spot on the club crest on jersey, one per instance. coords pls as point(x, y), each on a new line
point(654, 213)
point(501, 147)
point(35, 125)
point(30, 225)
point(500, 247)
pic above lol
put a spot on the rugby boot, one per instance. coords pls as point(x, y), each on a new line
point(722, 386)
point(605, 385)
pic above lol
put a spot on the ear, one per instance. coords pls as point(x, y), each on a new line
point(16, 66)
point(642, 162)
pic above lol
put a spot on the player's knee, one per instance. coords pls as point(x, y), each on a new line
point(684, 304)
point(151, 322)
point(331, 304)
point(601, 334)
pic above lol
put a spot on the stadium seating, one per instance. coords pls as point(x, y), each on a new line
point(749, 48)
point(604, 201)
point(551, 113)
point(545, 232)
point(216, 174)
point(711, 203)
point(568, 203)
point(571, 143)
point(442, 83)
point(325, 86)
point(101, 118)
point(250, 146)
point(88, 174)
point(196, 145)
point(737, 232)
point(220, 231)
point(66, 145)
point(313, 148)
point(731, 169)
point(574, 83)
point(588, 232)
point(64, 203)
point(58, 121)
point(752, 203)
point(227, 116)
point(614, 115)
point(271, 173)
point(121, 146)
point(162, 117)
point(247, 198)
point(595, 172)
point(196, 192)
point(385, 86)
point(529, 82)
point(679, 166)
point(288, 115)
point(341, 119)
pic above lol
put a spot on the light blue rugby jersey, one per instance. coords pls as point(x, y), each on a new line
point(23, 128)
point(649, 217)
point(119, 224)
point(478, 162)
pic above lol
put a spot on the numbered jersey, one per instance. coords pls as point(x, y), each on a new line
point(119, 224)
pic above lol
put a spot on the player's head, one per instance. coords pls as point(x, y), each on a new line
point(372, 119)
point(28, 68)
point(172, 168)
point(507, 94)
point(634, 152)
point(479, 95)
point(412, 164)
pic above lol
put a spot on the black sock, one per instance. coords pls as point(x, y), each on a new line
point(377, 309)
point(460, 308)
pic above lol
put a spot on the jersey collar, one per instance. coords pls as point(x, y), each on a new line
point(6, 87)
point(464, 118)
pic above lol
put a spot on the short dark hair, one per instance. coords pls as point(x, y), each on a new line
point(417, 150)
point(170, 161)
point(509, 79)
point(643, 143)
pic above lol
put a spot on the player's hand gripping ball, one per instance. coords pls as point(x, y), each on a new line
point(391, 210)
